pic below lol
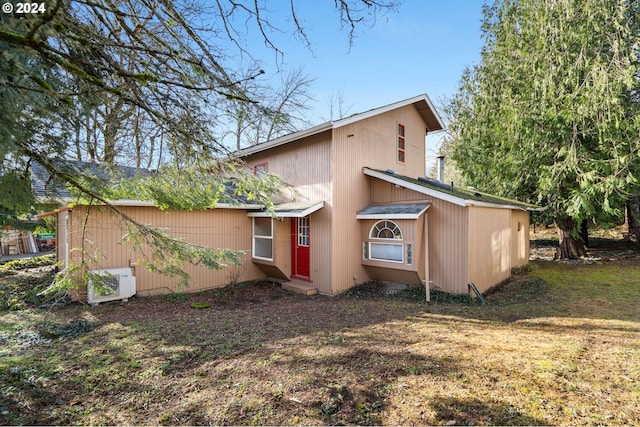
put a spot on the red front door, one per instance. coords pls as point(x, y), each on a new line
point(300, 243)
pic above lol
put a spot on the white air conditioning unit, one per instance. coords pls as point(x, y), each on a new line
point(115, 284)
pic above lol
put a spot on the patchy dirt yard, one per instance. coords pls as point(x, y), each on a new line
point(557, 345)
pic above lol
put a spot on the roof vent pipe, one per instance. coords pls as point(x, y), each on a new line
point(441, 168)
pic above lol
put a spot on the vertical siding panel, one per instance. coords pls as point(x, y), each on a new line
point(448, 228)
point(520, 244)
point(489, 246)
point(217, 228)
point(448, 225)
point(306, 166)
point(367, 143)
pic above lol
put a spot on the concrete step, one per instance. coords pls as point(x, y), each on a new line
point(300, 288)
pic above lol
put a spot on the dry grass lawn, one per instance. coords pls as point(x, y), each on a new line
point(559, 345)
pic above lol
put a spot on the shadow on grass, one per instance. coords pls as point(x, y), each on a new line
point(270, 357)
point(473, 411)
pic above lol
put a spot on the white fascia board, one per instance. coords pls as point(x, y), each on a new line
point(387, 108)
point(240, 206)
point(131, 202)
point(389, 216)
point(492, 205)
point(377, 111)
point(415, 187)
point(435, 112)
point(284, 214)
point(285, 139)
point(443, 196)
point(142, 203)
point(505, 206)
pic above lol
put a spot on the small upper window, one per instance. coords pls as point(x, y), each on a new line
point(260, 168)
point(387, 230)
point(401, 143)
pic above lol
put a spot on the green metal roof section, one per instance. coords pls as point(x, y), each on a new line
point(467, 197)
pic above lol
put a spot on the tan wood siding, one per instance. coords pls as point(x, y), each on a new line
point(280, 267)
point(448, 225)
point(448, 228)
point(520, 244)
point(305, 165)
point(218, 228)
point(371, 142)
point(489, 246)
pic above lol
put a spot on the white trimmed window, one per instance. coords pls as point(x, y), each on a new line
point(386, 244)
point(263, 238)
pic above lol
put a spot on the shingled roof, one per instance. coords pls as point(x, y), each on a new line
point(50, 189)
point(459, 196)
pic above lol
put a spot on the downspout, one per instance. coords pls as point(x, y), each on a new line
point(66, 239)
point(426, 257)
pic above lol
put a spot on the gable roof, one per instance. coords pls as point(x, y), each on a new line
point(457, 196)
point(422, 103)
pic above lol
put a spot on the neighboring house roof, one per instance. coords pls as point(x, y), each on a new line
point(457, 196)
point(422, 103)
point(393, 211)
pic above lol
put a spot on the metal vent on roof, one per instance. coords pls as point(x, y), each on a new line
point(391, 171)
point(435, 182)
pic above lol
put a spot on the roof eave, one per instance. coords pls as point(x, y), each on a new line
point(391, 107)
point(291, 214)
point(415, 187)
point(445, 196)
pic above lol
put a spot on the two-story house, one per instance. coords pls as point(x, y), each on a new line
point(361, 209)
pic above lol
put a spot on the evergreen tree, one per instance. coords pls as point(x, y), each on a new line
point(548, 115)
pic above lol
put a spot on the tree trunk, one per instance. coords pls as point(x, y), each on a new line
point(584, 232)
point(633, 218)
point(570, 244)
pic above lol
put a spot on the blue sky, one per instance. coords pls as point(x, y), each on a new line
point(422, 48)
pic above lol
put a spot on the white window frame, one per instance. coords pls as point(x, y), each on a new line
point(401, 261)
point(380, 241)
point(254, 237)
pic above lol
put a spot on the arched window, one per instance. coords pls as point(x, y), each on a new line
point(385, 251)
point(387, 230)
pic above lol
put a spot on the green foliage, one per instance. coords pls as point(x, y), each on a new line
point(549, 116)
point(12, 267)
point(21, 291)
point(200, 305)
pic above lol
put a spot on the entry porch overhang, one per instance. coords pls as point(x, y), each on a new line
point(291, 210)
